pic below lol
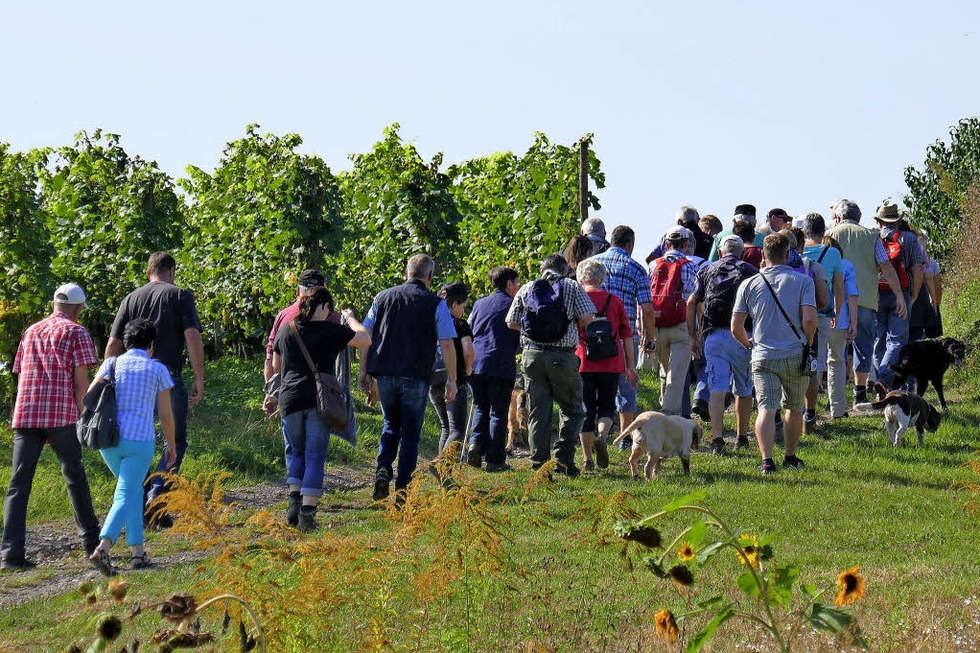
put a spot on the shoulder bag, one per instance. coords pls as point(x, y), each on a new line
point(808, 363)
point(98, 425)
point(331, 405)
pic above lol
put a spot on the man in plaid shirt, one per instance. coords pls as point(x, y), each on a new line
point(52, 366)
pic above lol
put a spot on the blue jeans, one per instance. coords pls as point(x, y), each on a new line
point(403, 408)
point(178, 404)
point(452, 416)
point(864, 341)
point(129, 462)
point(309, 439)
point(626, 393)
point(892, 335)
point(699, 367)
point(491, 405)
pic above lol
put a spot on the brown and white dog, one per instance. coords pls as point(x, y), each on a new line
point(660, 436)
point(517, 416)
point(904, 409)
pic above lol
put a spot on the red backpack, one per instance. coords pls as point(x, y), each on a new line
point(669, 302)
point(893, 247)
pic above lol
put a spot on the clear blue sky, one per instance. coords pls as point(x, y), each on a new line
point(709, 103)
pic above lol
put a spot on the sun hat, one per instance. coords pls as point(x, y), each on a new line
point(888, 213)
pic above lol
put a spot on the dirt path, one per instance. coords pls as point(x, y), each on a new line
point(61, 565)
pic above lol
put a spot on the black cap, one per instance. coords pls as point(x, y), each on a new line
point(745, 209)
point(778, 213)
point(311, 278)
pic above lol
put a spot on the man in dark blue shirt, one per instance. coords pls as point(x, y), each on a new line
point(406, 322)
point(494, 371)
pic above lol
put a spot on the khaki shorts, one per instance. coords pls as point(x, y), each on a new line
point(778, 382)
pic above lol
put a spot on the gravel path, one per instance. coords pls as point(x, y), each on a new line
point(60, 559)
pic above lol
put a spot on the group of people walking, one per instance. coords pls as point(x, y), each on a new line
point(753, 314)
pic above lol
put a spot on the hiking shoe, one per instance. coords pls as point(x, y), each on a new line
point(700, 409)
point(496, 468)
point(382, 487)
point(569, 470)
point(742, 442)
point(601, 453)
point(809, 425)
point(141, 561)
point(718, 446)
point(307, 519)
point(626, 443)
point(793, 461)
point(17, 565)
point(767, 467)
point(292, 510)
point(474, 458)
point(588, 466)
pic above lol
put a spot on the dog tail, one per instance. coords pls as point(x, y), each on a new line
point(629, 429)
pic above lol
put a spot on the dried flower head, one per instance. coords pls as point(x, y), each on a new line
point(666, 625)
point(685, 552)
point(850, 586)
point(110, 628)
point(179, 607)
point(118, 589)
point(648, 536)
point(681, 575)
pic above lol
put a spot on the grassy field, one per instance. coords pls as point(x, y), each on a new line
point(510, 564)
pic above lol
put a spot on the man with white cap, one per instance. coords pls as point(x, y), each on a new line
point(51, 365)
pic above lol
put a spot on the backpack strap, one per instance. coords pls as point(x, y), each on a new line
point(605, 307)
point(823, 253)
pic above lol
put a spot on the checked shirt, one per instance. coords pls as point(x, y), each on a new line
point(626, 279)
point(46, 360)
point(139, 379)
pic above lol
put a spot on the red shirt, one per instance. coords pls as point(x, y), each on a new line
point(284, 317)
point(46, 360)
point(621, 330)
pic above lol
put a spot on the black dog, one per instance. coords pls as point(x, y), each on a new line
point(927, 361)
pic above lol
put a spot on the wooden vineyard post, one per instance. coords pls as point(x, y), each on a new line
point(583, 180)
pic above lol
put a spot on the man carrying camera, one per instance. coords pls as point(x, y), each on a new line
point(782, 306)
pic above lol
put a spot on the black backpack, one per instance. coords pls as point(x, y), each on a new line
point(719, 295)
point(545, 319)
point(599, 340)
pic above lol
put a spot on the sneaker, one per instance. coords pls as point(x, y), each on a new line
point(588, 466)
point(793, 461)
point(718, 446)
point(474, 458)
point(700, 409)
point(496, 468)
point(601, 453)
point(100, 560)
point(382, 487)
point(767, 467)
point(626, 443)
point(742, 442)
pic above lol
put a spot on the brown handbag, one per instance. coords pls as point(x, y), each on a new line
point(331, 404)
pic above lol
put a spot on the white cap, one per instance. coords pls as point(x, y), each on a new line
point(70, 293)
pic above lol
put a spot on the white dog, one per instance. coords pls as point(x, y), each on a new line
point(660, 436)
point(904, 410)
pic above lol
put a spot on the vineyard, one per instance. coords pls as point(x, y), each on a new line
point(92, 213)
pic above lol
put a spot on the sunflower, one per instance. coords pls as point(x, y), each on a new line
point(749, 553)
point(666, 625)
point(685, 552)
point(681, 575)
point(850, 584)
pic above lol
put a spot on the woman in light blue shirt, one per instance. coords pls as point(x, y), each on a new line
point(142, 385)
